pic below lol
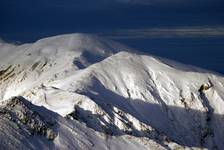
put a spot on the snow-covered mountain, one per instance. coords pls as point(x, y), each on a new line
point(87, 92)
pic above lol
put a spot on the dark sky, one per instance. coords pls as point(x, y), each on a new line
point(168, 28)
point(28, 20)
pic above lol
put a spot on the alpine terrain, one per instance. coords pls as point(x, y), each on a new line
point(80, 91)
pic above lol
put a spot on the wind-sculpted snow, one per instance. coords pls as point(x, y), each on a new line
point(112, 96)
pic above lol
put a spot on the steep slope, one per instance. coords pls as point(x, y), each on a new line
point(25, 126)
point(57, 56)
point(117, 92)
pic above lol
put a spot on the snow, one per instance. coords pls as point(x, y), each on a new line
point(105, 95)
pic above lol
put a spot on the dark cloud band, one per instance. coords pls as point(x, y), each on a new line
point(179, 32)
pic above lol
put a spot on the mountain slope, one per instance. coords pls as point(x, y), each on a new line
point(117, 92)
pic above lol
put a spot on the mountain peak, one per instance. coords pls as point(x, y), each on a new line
point(80, 41)
point(116, 92)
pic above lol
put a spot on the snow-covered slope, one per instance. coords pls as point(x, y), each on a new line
point(112, 96)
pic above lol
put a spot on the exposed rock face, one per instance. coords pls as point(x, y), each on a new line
point(26, 126)
point(23, 114)
point(204, 87)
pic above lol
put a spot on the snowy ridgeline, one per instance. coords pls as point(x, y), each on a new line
point(91, 93)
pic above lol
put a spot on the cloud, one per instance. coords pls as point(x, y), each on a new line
point(85, 4)
point(101, 4)
point(178, 32)
point(152, 2)
point(1, 40)
point(144, 2)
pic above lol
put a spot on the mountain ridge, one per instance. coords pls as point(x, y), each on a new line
point(117, 91)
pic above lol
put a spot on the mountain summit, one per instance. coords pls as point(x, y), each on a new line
point(80, 91)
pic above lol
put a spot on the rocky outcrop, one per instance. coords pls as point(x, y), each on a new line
point(27, 119)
